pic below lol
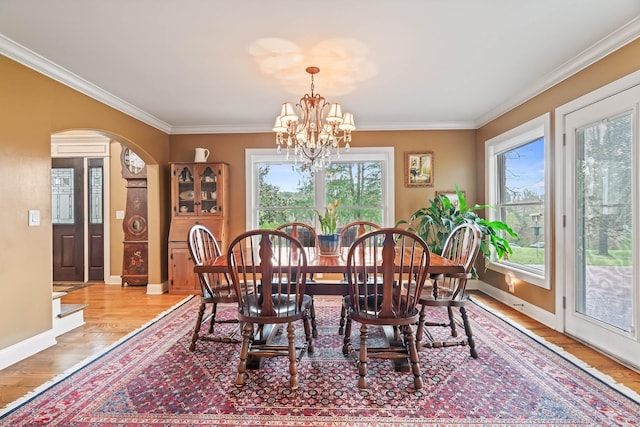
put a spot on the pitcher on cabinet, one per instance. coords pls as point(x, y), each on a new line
point(202, 154)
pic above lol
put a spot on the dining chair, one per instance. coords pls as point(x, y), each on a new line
point(462, 247)
point(216, 288)
point(353, 230)
point(308, 236)
point(348, 235)
point(397, 261)
point(301, 231)
point(277, 263)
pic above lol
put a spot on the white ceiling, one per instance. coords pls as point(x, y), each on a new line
point(196, 66)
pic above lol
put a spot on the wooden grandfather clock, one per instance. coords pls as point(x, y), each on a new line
point(136, 244)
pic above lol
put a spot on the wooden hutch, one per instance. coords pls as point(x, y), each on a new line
point(199, 195)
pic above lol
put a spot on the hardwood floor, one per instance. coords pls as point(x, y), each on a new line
point(113, 312)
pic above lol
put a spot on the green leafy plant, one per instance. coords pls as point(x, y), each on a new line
point(435, 223)
point(329, 221)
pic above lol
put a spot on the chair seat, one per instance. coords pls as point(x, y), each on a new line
point(283, 305)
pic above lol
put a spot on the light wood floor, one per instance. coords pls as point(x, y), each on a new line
point(113, 312)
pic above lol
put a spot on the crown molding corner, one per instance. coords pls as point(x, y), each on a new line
point(614, 41)
point(36, 62)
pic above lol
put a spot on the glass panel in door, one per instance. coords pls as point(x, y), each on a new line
point(604, 221)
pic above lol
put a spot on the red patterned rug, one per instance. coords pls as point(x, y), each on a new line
point(152, 379)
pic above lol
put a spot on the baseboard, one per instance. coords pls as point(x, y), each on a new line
point(533, 311)
point(26, 348)
point(157, 288)
point(152, 288)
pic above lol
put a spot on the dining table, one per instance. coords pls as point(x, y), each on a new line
point(326, 264)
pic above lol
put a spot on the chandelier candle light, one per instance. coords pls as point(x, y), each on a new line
point(317, 133)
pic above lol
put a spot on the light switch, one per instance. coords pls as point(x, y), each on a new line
point(119, 214)
point(34, 217)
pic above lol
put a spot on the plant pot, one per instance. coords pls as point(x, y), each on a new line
point(329, 244)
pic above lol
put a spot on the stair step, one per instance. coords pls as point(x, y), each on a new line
point(67, 309)
point(57, 295)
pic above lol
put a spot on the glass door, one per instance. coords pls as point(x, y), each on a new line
point(601, 231)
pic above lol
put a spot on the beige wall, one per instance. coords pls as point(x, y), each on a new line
point(453, 154)
point(32, 108)
point(620, 63)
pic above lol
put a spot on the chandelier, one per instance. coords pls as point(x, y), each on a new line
point(314, 135)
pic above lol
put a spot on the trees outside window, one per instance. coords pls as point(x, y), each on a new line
point(283, 191)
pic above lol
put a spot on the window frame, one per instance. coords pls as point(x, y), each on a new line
point(494, 147)
point(255, 156)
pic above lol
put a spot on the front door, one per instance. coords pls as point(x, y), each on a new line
point(602, 224)
point(67, 207)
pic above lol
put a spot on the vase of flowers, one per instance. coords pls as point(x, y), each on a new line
point(329, 240)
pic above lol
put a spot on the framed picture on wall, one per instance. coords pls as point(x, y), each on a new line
point(453, 196)
point(418, 168)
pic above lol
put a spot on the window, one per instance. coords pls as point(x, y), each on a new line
point(518, 182)
point(279, 191)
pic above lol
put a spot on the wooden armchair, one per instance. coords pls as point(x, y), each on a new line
point(216, 288)
point(353, 230)
point(348, 235)
point(275, 265)
point(462, 246)
point(301, 231)
point(398, 262)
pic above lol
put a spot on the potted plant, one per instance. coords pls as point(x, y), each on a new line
point(329, 240)
point(435, 223)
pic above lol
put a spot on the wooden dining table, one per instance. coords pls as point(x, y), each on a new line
point(327, 264)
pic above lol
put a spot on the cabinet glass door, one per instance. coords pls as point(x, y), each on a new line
point(209, 191)
point(186, 191)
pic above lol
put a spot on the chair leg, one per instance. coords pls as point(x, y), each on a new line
point(420, 330)
point(452, 323)
point(362, 365)
point(214, 311)
point(413, 357)
point(346, 342)
point(343, 315)
point(196, 330)
point(307, 333)
point(293, 369)
point(467, 330)
point(314, 325)
point(247, 334)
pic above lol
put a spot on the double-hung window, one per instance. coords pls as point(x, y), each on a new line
point(517, 187)
point(279, 190)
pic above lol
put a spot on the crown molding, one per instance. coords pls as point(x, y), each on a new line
point(261, 128)
point(614, 41)
point(31, 59)
point(204, 129)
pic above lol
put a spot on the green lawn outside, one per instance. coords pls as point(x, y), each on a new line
point(535, 256)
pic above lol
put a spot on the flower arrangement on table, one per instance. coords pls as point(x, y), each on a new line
point(329, 221)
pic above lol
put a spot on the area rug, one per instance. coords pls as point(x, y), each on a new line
point(152, 379)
